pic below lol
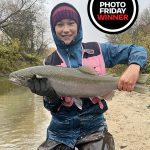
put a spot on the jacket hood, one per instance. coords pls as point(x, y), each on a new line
point(71, 53)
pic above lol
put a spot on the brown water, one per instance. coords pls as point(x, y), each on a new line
point(23, 119)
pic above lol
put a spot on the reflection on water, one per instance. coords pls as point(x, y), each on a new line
point(23, 119)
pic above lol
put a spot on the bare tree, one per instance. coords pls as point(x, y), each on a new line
point(11, 8)
point(22, 19)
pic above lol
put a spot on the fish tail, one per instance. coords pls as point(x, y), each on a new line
point(143, 78)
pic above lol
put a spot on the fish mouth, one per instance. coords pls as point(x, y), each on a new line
point(18, 80)
point(14, 80)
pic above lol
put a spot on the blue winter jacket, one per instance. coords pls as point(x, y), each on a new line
point(70, 124)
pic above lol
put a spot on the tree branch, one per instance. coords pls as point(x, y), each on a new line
point(24, 2)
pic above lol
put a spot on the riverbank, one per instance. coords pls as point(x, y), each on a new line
point(128, 120)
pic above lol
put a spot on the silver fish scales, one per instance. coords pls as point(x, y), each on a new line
point(74, 82)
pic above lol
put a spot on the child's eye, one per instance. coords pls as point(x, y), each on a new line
point(59, 24)
point(72, 23)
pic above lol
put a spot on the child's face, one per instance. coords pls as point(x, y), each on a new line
point(66, 30)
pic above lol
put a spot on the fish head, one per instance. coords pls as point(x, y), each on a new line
point(19, 80)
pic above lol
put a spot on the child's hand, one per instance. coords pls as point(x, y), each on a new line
point(128, 79)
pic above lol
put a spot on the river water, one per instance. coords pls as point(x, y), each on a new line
point(23, 119)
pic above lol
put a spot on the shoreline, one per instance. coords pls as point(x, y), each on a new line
point(128, 120)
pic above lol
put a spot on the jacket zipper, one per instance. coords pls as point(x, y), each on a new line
point(68, 59)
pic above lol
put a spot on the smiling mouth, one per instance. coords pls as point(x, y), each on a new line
point(66, 36)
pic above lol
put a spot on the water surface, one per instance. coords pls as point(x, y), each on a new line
point(23, 119)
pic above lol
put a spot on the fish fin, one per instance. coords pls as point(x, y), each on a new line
point(143, 78)
point(78, 102)
point(109, 95)
point(88, 70)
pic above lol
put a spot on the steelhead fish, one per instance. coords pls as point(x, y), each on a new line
point(74, 82)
